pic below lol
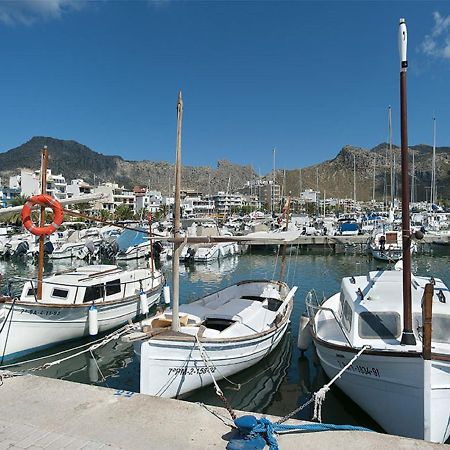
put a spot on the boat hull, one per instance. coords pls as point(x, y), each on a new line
point(391, 390)
point(176, 368)
point(32, 326)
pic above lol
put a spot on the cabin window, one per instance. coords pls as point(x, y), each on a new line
point(113, 287)
point(93, 293)
point(381, 325)
point(347, 315)
point(32, 292)
point(440, 327)
point(60, 293)
point(341, 304)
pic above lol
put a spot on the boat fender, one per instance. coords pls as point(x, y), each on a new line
point(166, 294)
point(304, 334)
point(93, 370)
point(93, 320)
point(144, 302)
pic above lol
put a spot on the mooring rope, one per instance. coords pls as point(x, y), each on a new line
point(319, 396)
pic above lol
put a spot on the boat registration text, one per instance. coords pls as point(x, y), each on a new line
point(363, 370)
point(190, 370)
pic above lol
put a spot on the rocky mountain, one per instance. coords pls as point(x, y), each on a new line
point(334, 177)
point(75, 160)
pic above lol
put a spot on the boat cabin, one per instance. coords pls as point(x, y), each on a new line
point(87, 285)
point(370, 311)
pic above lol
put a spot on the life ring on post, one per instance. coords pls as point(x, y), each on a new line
point(42, 200)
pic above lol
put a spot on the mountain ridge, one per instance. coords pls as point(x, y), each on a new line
point(333, 176)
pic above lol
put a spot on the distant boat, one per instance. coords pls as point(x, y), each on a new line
point(347, 227)
point(387, 246)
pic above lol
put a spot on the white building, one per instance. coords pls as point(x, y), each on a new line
point(197, 206)
point(310, 196)
point(149, 200)
point(113, 197)
point(227, 203)
point(78, 187)
point(30, 183)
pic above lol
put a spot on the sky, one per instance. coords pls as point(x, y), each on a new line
point(303, 77)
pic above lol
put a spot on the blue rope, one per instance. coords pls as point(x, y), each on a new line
point(256, 433)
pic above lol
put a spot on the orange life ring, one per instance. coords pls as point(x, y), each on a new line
point(43, 200)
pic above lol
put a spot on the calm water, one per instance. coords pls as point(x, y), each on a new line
point(278, 384)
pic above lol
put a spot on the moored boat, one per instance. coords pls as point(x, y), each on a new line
point(385, 337)
point(28, 324)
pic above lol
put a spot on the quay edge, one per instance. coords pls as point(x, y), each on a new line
point(39, 412)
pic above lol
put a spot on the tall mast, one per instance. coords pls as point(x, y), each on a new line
point(407, 334)
point(44, 165)
point(392, 157)
point(176, 225)
point(433, 166)
point(413, 176)
point(300, 183)
point(354, 180)
point(374, 169)
point(272, 191)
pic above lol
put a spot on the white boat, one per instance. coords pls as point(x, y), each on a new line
point(235, 327)
point(28, 324)
point(387, 246)
point(193, 345)
point(137, 251)
point(212, 252)
point(388, 380)
point(397, 326)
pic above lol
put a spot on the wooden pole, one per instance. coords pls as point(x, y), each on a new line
point(427, 311)
point(152, 261)
point(177, 246)
point(44, 165)
point(407, 335)
point(283, 246)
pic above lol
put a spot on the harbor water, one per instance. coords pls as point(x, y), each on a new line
point(277, 385)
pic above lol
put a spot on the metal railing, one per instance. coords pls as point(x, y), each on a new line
point(313, 306)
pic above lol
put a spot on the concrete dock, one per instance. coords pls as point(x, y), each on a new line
point(38, 413)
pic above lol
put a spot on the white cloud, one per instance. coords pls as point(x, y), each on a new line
point(437, 43)
point(27, 12)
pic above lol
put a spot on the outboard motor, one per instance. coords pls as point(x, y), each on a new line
point(22, 249)
point(108, 249)
point(48, 248)
point(157, 248)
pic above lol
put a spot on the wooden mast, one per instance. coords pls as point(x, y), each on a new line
point(177, 245)
point(44, 165)
point(407, 334)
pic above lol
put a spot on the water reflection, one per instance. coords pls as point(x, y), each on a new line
point(278, 384)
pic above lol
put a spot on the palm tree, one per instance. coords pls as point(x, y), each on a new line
point(14, 218)
point(123, 212)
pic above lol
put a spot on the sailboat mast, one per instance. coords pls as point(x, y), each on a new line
point(374, 170)
point(354, 181)
point(44, 165)
point(391, 155)
point(413, 178)
point(177, 223)
point(407, 334)
point(433, 166)
point(272, 191)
